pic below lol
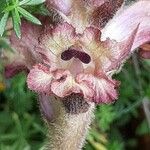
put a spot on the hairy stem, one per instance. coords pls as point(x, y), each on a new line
point(69, 122)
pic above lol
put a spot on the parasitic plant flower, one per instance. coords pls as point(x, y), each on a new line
point(80, 53)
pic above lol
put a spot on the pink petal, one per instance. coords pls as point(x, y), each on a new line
point(59, 38)
point(26, 45)
point(144, 54)
point(107, 55)
point(62, 5)
point(125, 22)
point(144, 51)
point(13, 69)
point(82, 13)
point(104, 11)
point(103, 89)
point(25, 55)
point(95, 3)
point(90, 35)
point(121, 51)
point(64, 84)
point(39, 79)
point(55, 41)
point(75, 12)
point(66, 6)
point(45, 107)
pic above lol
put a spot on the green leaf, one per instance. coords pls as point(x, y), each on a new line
point(15, 2)
point(143, 128)
point(35, 2)
point(23, 2)
point(28, 16)
point(31, 2)
point(3, 23)
point(17, 16)
point(4, 44)
point(105, 116)
point(16, 24)
point(9, 8)
point(3, 5)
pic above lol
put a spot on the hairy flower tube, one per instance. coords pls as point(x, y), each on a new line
point(81, 52)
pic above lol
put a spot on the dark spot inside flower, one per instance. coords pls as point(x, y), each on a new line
point(62, 78)
point(70, 53)
point(75, 104)
point(67, 55)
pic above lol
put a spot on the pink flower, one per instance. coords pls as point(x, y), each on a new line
point(71, 57)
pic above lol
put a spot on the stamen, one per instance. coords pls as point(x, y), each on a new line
point(70, 53)
point(85, 58)
point(67, 55)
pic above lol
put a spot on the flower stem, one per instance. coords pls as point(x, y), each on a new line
point(69, 124)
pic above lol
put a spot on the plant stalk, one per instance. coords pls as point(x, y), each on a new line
point(69, 123)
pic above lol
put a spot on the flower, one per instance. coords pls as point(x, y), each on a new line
point(82, 52)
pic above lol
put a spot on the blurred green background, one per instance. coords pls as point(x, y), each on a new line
point(122, 125)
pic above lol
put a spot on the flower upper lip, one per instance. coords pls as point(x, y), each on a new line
point(70, 53)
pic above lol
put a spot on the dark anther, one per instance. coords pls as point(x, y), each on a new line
point(85, 58)
point(66, 55)
point(70, 53)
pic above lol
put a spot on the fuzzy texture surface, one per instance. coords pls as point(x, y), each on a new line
point(77, 55)
point(67, 131)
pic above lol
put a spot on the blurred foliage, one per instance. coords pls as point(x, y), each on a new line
point(15, 10)
point(20, 128)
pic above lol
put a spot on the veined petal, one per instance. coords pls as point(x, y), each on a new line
point(55, 41)
point(39, 79)
point(102, 53)
point(25, 46)
point(58, 39)
point(13, 69)
point(124, 23)
point(73, 12)
point(144, 51)
point(24, 56)
point(64, 84)
point(90, 40)
point(107, 55)
point(95, 3)
point(120, 51)
point(80, 12)
point(104, 12)
point(62, 5)
point(66, 6)
point(45, 107)
point(26, 49)
point(103, 89)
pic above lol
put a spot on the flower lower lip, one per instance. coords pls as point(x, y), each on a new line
point(70, 53)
